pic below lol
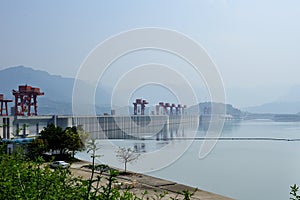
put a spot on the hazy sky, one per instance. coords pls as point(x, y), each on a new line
point(254, 43)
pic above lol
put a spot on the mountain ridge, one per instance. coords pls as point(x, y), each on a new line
point(58, 89)
point(279, 107)
point(58, 93)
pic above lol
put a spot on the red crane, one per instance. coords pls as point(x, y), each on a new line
point(170, 109)
point(4, 105)
point(142, 104)
point(26, 97)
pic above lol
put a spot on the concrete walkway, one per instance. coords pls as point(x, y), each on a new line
point(140, 183)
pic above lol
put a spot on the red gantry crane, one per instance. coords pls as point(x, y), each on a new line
point(142, 104)
point(26, 97)
point(170, 109)
point(4, 105)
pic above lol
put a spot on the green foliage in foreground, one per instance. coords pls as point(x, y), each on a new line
point(294, 191)
point(24, 179)
point(21, 178)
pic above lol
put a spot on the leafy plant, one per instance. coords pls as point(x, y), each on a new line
point(21, 178)
point(92, 149)
point(294, 191)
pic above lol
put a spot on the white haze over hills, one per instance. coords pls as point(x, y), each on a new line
point(288, 102)
point(58, 94)
point(255, 44)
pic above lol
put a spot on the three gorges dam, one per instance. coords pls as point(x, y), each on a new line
point(167, 121)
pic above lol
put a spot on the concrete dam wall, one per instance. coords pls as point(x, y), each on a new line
point(101, 127)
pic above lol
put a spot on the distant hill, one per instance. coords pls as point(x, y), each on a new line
point(292, 95)
point(58, 90)
point(289, 103)
point(217, 107)
point(275, 108)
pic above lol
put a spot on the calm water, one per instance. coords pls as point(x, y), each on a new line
point(241, 169)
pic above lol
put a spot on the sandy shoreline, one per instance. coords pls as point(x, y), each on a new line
point(140, 183)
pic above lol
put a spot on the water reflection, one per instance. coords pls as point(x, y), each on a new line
point(230, 126)
point(163, 138)
point(139, 147)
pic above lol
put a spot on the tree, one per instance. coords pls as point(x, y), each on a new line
point(72, 140)
point(54, 135)
point(126, 155)
point(36, 148)
point(63, 140)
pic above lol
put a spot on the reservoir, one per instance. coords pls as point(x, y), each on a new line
point(255, 159)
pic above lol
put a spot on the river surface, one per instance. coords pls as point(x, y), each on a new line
point(245, 164)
